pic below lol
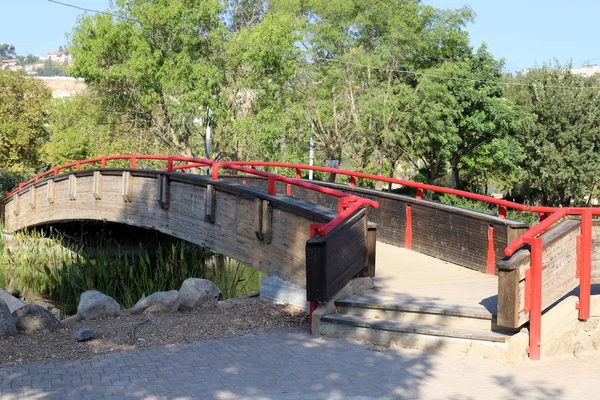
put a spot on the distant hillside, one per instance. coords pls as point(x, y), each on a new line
point(63, 86)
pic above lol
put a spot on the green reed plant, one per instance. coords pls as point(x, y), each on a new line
point(33, 263)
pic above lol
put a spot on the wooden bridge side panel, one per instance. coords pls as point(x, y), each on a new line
point(450, 233)
point(333, 260)
point(232, 233)
point(559, 263)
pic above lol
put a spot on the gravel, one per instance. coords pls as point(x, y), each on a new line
point(129, 331)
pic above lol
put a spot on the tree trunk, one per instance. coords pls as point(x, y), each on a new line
point(455, 177)
point(379, 184)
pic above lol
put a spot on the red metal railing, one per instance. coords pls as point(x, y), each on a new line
point(548, 216)
point(347, 203)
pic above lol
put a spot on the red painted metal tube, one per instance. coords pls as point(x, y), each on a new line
point(585, 272)
point(408, 229)
point(354, 202)
point(417, 185)
point(535, 231)
point(491, 252)
point(535, 286)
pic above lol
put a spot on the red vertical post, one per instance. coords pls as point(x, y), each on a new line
point(103, 162)
point(214, 171)
point(77, 166)
point(271, 185)
point(535, 306)
point(132, 164)
point(579, 256)
point(502, 212)
point(244, 182)
point(585, 272)
point(491, 252)
point(298, 173)
point(543, 216)
point(419, 195)
point(289, 189)
point(170, 164)
point(408, 230)
point(352, 181)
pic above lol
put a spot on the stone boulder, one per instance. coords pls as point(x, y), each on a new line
point(199, 293)
point(83, 335)
point(159, 301)
point(11, 301)
point(94, 305)
point(7, 322)
point(35, 318)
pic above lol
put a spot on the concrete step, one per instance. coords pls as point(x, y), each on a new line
point(431, 330)
point(448, 317)
point(417, 336)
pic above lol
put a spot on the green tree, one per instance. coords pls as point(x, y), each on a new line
point(562, 146)
point(174, 69)
point(79, 128)
point(7, 51)
point(23, 112)
point(358, 97)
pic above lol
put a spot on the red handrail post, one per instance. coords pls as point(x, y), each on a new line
point(502, 212)
point(408, 228)
point(298, 173)
point(103, 162)
point(535, 306)
point(77, 166)
point(289, 189)
point(419, 195)
point(491, 253)
point(352, 181)
point(543, 216)
point(585, 265)
point(271, 185)
point(344, 203)
point(170, 164)
point(214, 171)
point(132, 163)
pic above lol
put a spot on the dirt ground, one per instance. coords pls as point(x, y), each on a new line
point(132, 331)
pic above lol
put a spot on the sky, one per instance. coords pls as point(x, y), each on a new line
point(527, 33)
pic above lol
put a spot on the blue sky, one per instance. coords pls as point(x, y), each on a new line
point(525, 32)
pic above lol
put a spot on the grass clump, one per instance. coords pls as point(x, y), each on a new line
point(34, 263)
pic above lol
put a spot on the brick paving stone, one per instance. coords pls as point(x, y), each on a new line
point(289, 364)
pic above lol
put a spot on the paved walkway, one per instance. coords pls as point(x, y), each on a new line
point(425, 281)
point(290, 364)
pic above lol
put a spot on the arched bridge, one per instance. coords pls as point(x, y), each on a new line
point(321, 235)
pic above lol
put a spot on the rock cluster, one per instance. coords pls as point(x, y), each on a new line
point(16, 316)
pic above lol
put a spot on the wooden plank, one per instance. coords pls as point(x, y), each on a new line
point(333, 260)
point(97, 185)
point(508, 298)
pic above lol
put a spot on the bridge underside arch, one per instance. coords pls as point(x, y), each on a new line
point(241, 222)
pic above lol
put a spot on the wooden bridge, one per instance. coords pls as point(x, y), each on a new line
point(444, 276)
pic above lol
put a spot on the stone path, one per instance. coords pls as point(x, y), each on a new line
point(419, 280)
point(290, 364)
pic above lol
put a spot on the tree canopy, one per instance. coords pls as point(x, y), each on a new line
point(23, 113)
point(388, 87)
point(562, 145)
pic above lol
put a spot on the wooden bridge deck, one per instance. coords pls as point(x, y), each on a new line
point(405, 277)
